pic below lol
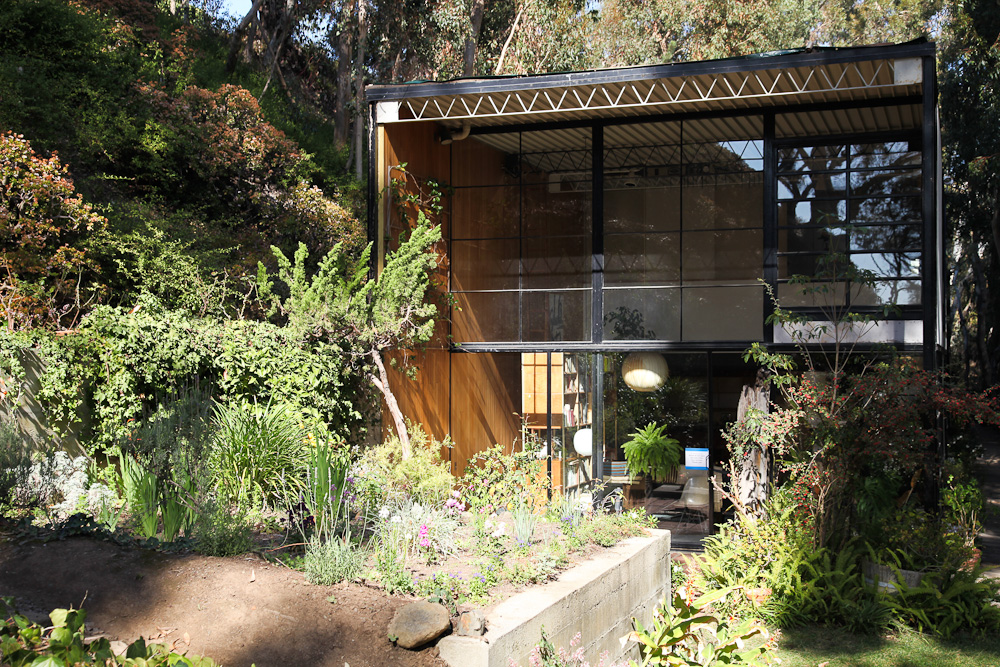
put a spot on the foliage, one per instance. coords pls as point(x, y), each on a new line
point(544, 654)
point(414, 530)
point(332, 561)
point(15, 463)
point(649, 451)
point(340, 304)
point(948, 603)
point(42, 223)
point(686, 632)
point(495, 480)
point(327, 492)
point(383, 474)
point(220, 531)
point(127, 362)
point(63, 644)
point(142, 495)
point(258, 455)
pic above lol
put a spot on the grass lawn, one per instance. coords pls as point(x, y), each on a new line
point(813, 646)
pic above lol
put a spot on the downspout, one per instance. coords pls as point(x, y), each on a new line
point(447, 136)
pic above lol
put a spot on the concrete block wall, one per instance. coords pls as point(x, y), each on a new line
point(597, 598)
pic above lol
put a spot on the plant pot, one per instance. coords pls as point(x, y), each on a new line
point(886, 577)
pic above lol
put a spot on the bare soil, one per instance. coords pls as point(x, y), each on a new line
point(238, 611)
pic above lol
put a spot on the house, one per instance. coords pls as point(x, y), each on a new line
point(637, 220)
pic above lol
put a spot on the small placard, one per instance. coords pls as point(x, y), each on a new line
point(695, 458)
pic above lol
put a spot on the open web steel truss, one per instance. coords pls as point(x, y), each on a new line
point(804, 81)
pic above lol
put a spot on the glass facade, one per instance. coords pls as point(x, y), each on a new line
point(572, 248)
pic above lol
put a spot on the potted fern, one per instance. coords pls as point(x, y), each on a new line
point(651, 453)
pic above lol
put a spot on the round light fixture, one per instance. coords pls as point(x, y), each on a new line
point(583, 441)
point(645, 371)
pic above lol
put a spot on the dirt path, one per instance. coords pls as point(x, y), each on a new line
point(236, 610)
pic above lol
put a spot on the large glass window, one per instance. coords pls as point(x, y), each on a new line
point(683, 230)
point(849, 224)
point(522, 237)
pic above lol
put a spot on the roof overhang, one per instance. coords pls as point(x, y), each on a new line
point(815, 76)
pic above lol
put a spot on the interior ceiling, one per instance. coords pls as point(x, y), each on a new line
point(732, 134)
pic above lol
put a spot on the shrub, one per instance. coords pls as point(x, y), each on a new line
point(221, 532)
point(423, 478)
point(15, 463)
point(259, 454)
point(333, 561)
point(496, 480)
point(63, 644)
point(687, 632)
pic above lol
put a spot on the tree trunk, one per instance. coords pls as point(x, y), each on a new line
point(345, 49)
point(472, 40)
point(381, 382)
point(359, 92)
point(980, 292)
point(238, 34)
point(753, 471)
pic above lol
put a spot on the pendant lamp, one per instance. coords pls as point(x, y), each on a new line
point(644, 371)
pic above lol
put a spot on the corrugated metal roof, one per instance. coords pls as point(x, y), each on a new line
point(820, 76)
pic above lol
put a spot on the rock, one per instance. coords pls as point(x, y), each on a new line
point(471, 623)
point(419, 623)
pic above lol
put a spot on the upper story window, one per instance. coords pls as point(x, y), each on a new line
point(683, 230)
point(522, 232)
point(845, 211)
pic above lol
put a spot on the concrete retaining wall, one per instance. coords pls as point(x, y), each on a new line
point(597, 598)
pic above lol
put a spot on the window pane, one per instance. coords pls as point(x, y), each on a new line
point(484, 316)
point(549, 212)
point(723, 313)
point(479, 213)
point(642, 209)
point(887, 237)
point(557, 262)
point(885, 182)
point(723, 256)
point(888, 292)
point(812, 158)
point(812, 212)
point(809, 186)
point(724, 202)
point(642, 259)
point(895, 209)
point(554, 316)
point(812, 295)
point(485, 160)
point(640, 314)
point(813, 239)
point(885, 154)
point(889, 264)
point(484, 265)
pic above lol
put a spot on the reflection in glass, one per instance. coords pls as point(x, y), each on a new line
point(485, 213)
point(641, 259)
point(556, 316)
point(485, 316)
point(557, 262)
point(642, 314)
point(723, 256)
point(723, 313)
point(487, 264)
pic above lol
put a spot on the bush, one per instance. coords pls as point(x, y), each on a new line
point(259, 454)
point(15, 463)
point(423, 478)
point(333, 561)
point(63, 644)
point(221, 532)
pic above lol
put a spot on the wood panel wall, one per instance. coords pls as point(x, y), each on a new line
point(424, 398)
point(476, 398)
